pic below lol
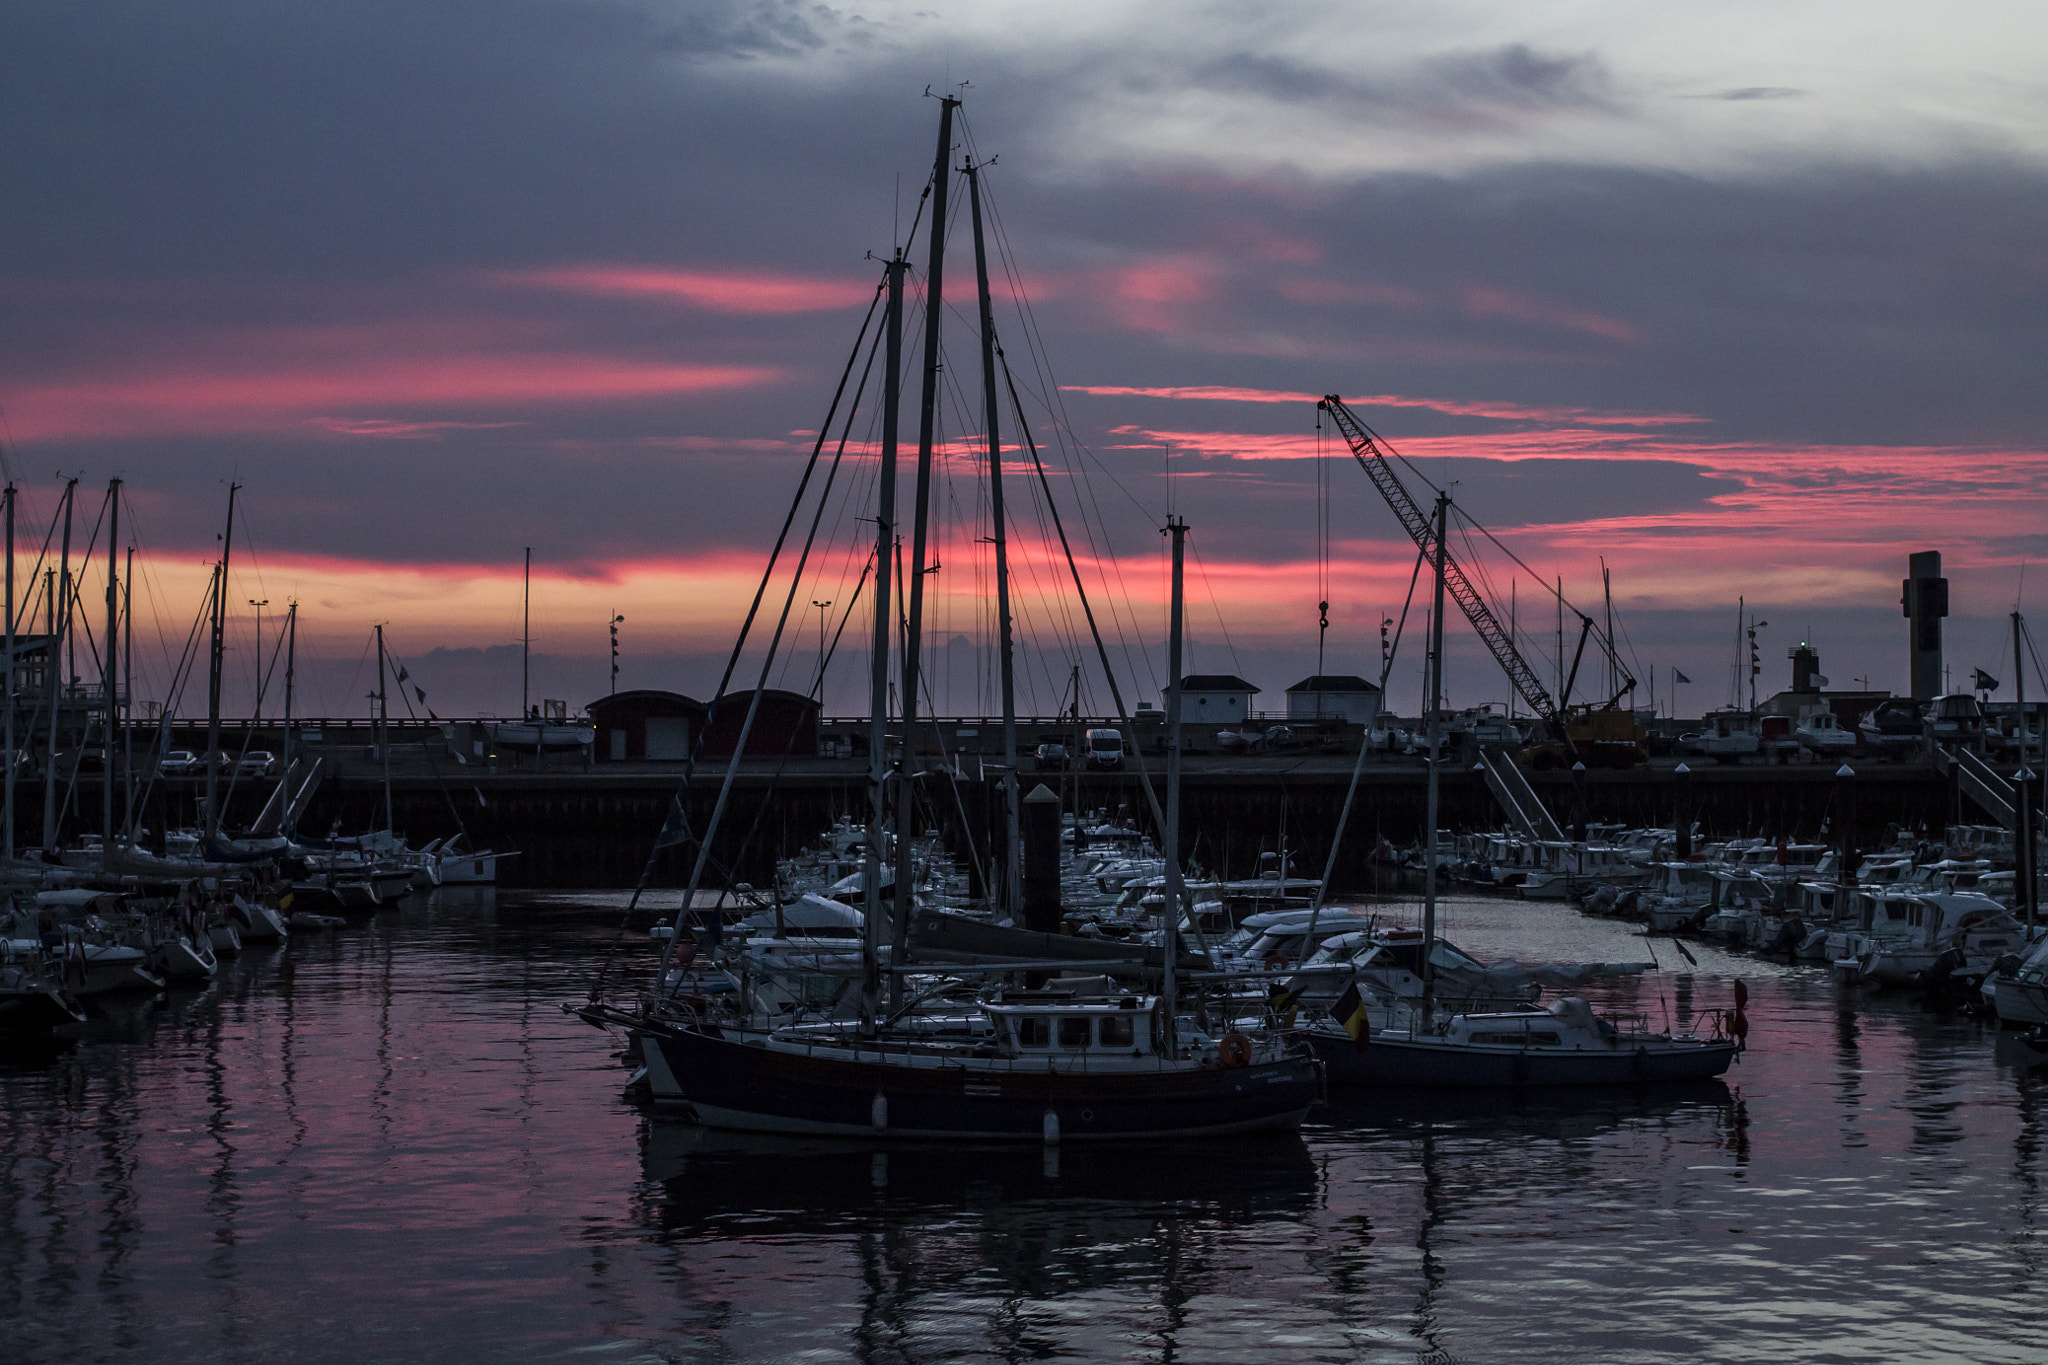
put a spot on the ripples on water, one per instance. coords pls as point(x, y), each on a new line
point(389, 1143)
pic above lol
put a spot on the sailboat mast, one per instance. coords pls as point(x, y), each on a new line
point(526, 642)
point(291, 649)
point(878, 674)
point(1013, 854)
point(2023, 782)
point(13, 759)
point(60, 621)
point(108, 672)
point(128, 696)
point(213, 671)
point(1169, 837)
point(384, 729)
point(935, 273)
point(1436, 731)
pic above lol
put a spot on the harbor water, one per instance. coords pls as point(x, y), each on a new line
point(389, 1143)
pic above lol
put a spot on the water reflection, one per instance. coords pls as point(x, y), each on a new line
point(389, 1142)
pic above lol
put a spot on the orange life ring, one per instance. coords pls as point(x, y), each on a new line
point(1234, 1050)
point(1276, 962)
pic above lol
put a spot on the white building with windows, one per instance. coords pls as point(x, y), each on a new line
point(1215, 699)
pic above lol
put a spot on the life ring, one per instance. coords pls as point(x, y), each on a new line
point(1235, 1050)
point(1276, 962)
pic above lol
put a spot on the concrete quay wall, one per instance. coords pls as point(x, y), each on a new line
point(577, 827)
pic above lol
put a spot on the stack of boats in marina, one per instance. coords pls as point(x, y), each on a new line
point(1947, 916)
point(97, 921)
point(1090, 989)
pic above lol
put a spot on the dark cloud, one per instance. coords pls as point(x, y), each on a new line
point(1495, 84)
point(204, 178)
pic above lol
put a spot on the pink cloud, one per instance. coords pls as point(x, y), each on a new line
point(270, 392)
point(719, 291)
point(1514, 412)
point(396, 430)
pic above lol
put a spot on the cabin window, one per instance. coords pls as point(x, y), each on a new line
point(1033, 1031)
point(1116, 1030)
point(1532, 1038)
point(1074, 1030)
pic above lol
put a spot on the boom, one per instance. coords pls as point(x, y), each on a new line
point(1416, 522)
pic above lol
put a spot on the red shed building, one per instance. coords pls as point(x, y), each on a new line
point(645, 725)
point(649, 725)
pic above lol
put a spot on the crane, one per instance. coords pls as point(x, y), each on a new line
point(1498, 642)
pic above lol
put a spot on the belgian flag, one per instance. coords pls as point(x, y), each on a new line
point(1350, 1012)
point(1283, 998)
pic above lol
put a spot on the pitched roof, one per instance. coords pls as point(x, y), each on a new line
point(1334, 682)
point(1215, 682)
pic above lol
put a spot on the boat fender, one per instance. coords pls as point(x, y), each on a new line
point(1235, 1050)
point(878, 1113)
point(1052, 1129)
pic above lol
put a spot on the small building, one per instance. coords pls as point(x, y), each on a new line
point(652, 726)
point(1215, 699)
point(645, 725)
point(1334, 696)
point(785, 724)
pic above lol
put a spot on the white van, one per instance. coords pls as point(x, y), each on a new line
point(1105, 749)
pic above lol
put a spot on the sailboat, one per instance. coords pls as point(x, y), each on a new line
point(536, 732)
point(1032, 1065)
point(1566, 1044)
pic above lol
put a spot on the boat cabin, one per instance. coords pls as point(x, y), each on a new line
point(1068, 1027)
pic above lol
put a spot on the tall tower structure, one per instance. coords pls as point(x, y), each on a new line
point(1925, 600)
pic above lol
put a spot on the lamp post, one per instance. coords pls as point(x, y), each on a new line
point(615, 650)
point(259, 653)
point(1755, 663)
point(821, 606)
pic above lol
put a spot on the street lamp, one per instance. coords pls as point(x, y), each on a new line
point(259, 653)
point(1755, 662)
point(615, 651)
point(821, 606)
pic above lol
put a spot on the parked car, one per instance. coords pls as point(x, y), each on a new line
point(1052, 758)
point(179, 763)
point(1105, 749)
point(256, 763)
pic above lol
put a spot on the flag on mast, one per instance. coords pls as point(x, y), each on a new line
point(1350, 1012)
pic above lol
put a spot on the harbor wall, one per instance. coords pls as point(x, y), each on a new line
point(574, 826)
point(589, 830)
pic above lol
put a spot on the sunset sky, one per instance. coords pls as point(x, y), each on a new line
point(1750, 299)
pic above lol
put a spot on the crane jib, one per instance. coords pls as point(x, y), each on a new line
point(1413, 520)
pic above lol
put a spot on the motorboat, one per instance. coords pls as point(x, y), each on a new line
point(1678, 896)
point(1729, 736)
point(535, 734)
point(2019, 991)
point(1956, 721)
point(1926, 940)
point(1821, 734)
point(1893, 729)
point(1565, 870)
